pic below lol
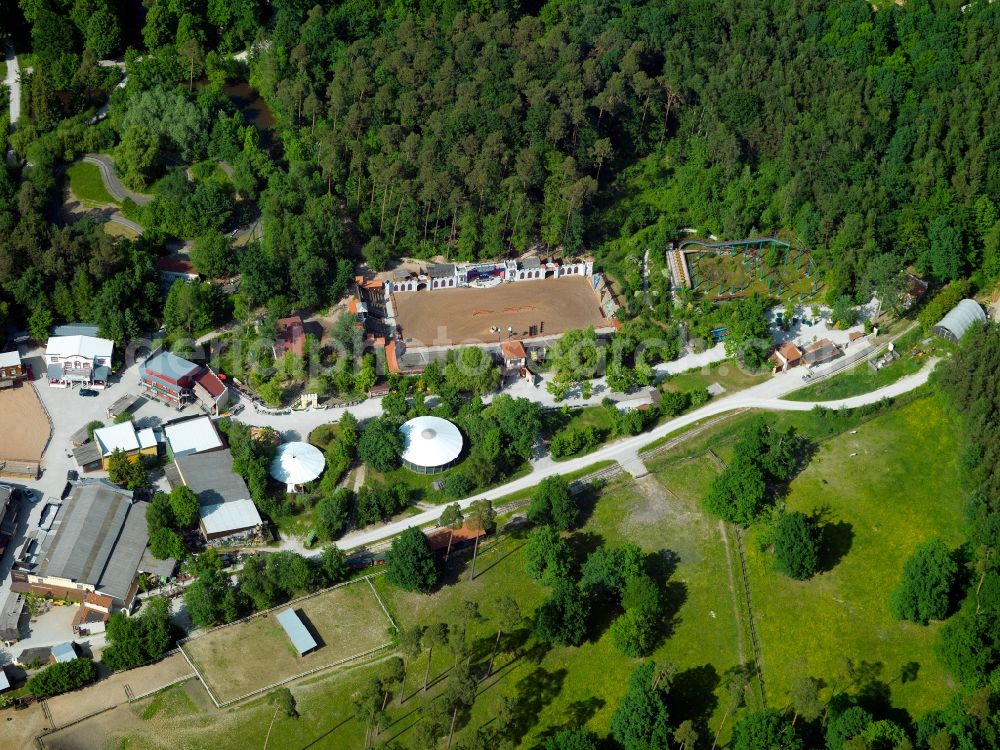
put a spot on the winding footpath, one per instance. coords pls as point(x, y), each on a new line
point(767, 396)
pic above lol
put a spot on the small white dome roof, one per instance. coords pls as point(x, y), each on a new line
point(297, 463)
point(430, 442)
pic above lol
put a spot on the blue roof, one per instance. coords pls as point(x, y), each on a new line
point(171, 365)
point(64, 652)
point(297, 633)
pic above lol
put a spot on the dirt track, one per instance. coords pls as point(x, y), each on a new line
point(453, 316)
point(24, 428)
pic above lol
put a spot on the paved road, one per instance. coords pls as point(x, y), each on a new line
point(13, 82)
point(118, 218)
point(111, 181)
point(626, 451)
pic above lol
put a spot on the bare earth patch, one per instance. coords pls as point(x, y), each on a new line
point(26, 428)
point(238, 659)
point(455, 316)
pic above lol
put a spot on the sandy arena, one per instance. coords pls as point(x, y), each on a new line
point(456, 316)
point(24, 428)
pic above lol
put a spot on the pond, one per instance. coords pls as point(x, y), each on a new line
point(254, 110)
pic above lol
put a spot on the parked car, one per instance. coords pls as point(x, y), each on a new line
point(71, 475)
point(88, 392)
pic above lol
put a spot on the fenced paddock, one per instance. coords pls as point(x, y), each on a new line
point(245, 658)
point(26, 430)
point(454, 316)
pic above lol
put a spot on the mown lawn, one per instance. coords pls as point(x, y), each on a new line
point(881, 489)
point(727, 373)
point(598, 417)
point(86, 183)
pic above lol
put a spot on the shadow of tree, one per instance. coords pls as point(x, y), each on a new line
point(692, 696)
point(581, 544)
point(531, 694)
point(674, 596)
point(836, 540)
point(586, 500)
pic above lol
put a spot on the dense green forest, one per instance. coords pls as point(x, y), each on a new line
point(435, 127)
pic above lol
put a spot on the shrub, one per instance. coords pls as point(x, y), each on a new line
point(796, 546)
point(62, 677)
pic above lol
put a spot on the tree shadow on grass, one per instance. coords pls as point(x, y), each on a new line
point(581, 544)
point(531, 694)
point(836, 540)
point(674, 596)
point(586, 500)
point(692, 696)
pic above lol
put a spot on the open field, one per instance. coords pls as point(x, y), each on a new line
point(804, 628)
point(20, 406)
point(882, 491)
point(346, 622)
point(86, 183)
point(728, 373)
point(455, 316)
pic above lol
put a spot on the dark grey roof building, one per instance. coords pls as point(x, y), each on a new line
point(225, 505)
point(211, 477)
point(96, 545)
point(441, 270)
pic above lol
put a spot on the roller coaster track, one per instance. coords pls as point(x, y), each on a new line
point(758, 241)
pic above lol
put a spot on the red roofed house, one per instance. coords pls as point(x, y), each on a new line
point(785, 356)
point(173, 268)
point(291, 337)
point(177, 382)
point(211, 392)
point(448, 539)
point(514, 357)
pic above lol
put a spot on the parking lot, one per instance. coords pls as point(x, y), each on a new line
point(69, 412)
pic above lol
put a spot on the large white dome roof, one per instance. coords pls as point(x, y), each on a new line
point(430, 442)
point(297, 463)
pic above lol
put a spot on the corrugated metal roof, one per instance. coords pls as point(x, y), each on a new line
point(75, 329)
point(441, 270)
point(231, 517)
point(170, 365)
point(87, 454)
point(100, 539)
point(64, 651)
point(300, 637)
point(123, 563)
point(91, 522)
point(82, 346)
point(192, 436)
point(960, 318)
point(116, 437)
